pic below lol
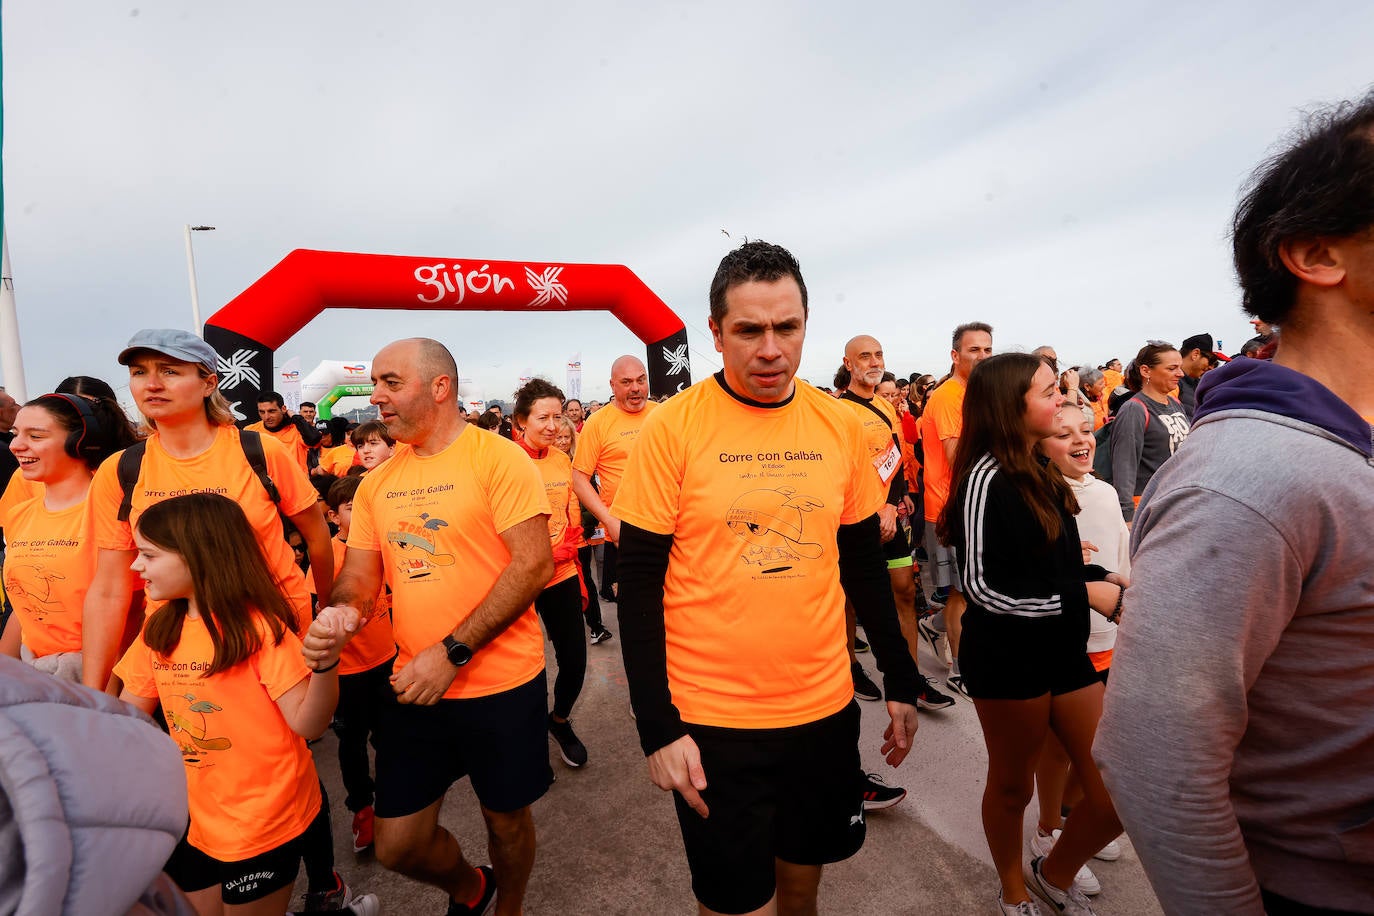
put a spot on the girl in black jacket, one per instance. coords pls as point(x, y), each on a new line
point(1024, 649)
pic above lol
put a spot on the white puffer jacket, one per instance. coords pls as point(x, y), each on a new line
point(92, 801)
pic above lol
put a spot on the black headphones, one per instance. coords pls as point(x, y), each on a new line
point(76, 444)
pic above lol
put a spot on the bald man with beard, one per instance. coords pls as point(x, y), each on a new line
point(603, 448)
point(864, 360)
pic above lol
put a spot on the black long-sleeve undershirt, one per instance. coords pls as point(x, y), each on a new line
point(643, 635)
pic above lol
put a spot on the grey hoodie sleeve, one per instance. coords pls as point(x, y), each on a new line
point(1128, 443)
point(1176, 705)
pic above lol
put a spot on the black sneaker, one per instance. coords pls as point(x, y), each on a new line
point(600, 635)
point(864, 688)
point(878, 794)
point(485, 904)
point(930, 698)
point(573, 751)
point(939, 598)
point(860, 645)
point(955, 682)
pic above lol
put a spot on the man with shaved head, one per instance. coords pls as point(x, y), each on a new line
point(456, 522)
point(603, 448)
point(887, 491)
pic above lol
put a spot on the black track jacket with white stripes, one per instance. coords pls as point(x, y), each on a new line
point(1005, 565)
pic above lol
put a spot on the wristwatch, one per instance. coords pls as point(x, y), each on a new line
point(459, 653)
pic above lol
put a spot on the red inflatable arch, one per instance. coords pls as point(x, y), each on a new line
point(247, 331)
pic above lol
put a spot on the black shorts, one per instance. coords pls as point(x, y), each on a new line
point(898, 549)
point(787, 793)
point(239, 882)
point(500, 741)
point(1003, 657)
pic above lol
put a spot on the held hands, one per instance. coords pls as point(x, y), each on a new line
point(331, 629)
point(900, 733)
point(425, 677)
point(678, 766)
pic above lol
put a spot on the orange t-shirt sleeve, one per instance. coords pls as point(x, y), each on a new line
point(279, 667)
point(589, 443)
point(17, 491)
point(103, 505)
point(946, 418)
point(135, 669)
point(648, 496)
point(859, 494)
point(514, 488)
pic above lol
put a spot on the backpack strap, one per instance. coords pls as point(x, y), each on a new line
point(251, 441)
point(130, 463)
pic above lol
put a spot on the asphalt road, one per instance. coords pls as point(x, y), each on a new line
point(609, 842)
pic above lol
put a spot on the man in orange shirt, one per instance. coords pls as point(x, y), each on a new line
point(603, 448)
point(459, 522)
point(863, 357)
point(276, 420)
point(941, 425)
point(746, 519)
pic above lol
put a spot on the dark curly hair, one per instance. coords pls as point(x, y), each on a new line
point(756, 260)
point(533, 390)
point(1321, 184)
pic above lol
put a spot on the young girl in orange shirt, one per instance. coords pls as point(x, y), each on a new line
point(224, 663)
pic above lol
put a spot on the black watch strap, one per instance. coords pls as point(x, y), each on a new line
point(459, 654)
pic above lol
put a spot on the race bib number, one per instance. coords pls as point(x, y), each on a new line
point(888, 462)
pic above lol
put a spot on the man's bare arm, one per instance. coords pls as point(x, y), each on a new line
point(529, 570)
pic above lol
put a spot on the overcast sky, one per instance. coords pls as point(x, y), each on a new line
point(1064, 171)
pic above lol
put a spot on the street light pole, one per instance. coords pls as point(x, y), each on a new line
point(191, 273)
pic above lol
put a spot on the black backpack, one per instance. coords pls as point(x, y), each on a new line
point(131, 462)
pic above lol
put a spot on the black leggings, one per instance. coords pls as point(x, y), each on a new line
point(593, 612)
point(362, 699)
point(560, 607)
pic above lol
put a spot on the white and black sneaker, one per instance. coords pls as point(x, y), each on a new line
point(930, 698)
point(600, 635)
point(878, 794)
point(1071, 902)
point(1024, 908)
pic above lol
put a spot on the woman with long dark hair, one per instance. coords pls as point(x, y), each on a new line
point(60, 439)
point(1024, 650)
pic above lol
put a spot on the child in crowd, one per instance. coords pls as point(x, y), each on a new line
point(374, 444)
point(364, 678)
point(1106, 543)
point(222, 659)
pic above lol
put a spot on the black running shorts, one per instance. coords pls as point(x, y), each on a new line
point(240, 882)
point(790, 793)
point(499, 741)
point(1004, 657)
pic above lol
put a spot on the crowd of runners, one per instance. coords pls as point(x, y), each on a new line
point(1188, 528)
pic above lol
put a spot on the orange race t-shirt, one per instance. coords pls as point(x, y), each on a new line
point(49, 565)
point(753, 497)
point(250, 779)
point(884, 456)
point(943, 419)
point(223, 469)
point(288, 436)
point(374, 643)
point(339, 459)
point(437, 522)
point(605, 444)
point(18, 490)
point(555, 469)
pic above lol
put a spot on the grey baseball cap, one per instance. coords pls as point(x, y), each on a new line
point(178, 344)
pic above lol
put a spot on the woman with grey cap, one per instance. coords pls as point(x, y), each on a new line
point(194, 447)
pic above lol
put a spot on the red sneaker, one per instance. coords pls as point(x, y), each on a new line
point(362, 829)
